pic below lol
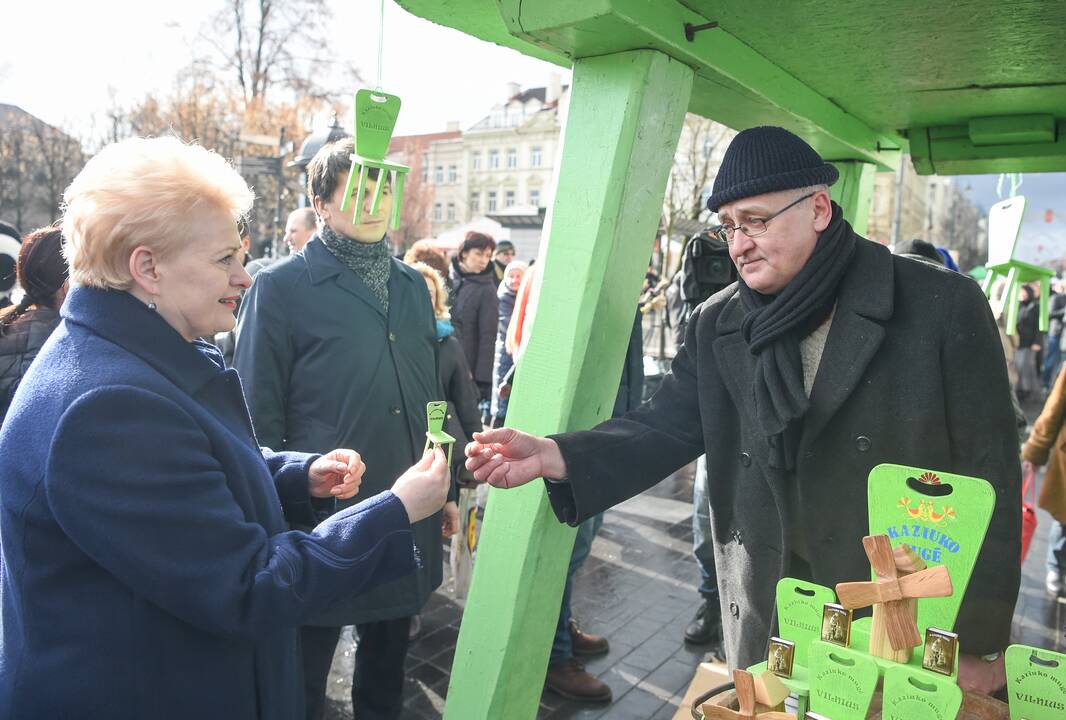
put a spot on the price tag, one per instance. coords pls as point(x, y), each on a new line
point(1036, 683)
point(913, 694)
point(842, 681)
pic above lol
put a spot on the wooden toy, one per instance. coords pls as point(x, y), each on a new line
point(757, 696)
point(894, 631)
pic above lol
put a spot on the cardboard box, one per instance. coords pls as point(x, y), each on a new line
point(708, 676)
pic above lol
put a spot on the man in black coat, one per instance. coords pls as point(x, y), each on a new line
point(336, 343)
point(828, 357)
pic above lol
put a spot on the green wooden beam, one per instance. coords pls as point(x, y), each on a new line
point(625, 117)
point(481, 19)
point(603, 26)
point(854, 191)
point(950, 150)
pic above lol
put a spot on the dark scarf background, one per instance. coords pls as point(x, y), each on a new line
point(773, 328)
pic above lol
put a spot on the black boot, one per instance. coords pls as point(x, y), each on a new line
point(706, 627)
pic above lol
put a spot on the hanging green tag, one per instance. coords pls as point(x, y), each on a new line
point(375, 119)
point(1036, 683)
point(799, 612)
point(842, 681)
point(913, 694)
point(943, 517)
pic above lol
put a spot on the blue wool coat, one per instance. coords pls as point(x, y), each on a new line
point(148, 572)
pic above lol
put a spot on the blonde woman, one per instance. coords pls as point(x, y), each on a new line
point(147, 567)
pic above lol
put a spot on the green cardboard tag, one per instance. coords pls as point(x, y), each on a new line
point(914, 694)
point(375, 119)
point(1036, 683)
point(842, 681)
point(943, 517)
point(799, 612)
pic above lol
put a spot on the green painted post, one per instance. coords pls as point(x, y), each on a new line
point(625, 117)
point(854, 190)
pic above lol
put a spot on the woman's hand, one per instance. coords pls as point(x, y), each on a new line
point(450, 523)
point(424, 487)
point(336, 474)
point(507, 458)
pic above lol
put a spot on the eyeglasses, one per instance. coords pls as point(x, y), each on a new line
point(753, 227)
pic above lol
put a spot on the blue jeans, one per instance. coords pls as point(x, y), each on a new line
point(702, 540)
point(1056, 548)
point(562, 645)
point(1052, 361)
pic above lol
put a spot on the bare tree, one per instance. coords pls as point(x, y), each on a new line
point(695, 166)
point(37, 162)
point(60, 157)
point(417, 198)
point(268, 44)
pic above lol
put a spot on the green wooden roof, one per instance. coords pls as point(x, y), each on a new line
point(859, 80)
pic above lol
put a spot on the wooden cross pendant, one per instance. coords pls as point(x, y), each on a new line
point(902, 578)
point(753, 693)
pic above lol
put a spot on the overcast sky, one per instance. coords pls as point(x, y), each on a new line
point(60, 60)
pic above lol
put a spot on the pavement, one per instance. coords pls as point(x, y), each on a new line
point(639, 589)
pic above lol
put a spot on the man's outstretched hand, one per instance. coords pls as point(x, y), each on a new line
point(507, 458)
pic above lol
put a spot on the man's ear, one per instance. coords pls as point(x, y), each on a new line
point(320, 208)
point(823, 211)
point(144, 269)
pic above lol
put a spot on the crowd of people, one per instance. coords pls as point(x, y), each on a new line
point(223, 457)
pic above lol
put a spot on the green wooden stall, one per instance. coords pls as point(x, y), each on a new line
point(964, 87)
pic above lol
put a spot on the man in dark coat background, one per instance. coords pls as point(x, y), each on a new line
point(336, 348)
point(828, 357)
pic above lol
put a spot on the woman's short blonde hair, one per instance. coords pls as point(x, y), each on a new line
point(440, 311)
point(141, 191)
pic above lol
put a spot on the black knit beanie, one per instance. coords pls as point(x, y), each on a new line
point(764, 160)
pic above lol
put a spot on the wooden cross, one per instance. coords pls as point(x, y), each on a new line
point(902, 578)
point(754, 696)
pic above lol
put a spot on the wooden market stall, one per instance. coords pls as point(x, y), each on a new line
point(963, 87)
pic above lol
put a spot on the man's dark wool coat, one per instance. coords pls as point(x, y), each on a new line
point(323, 367)
point(912, 373)
point(148, 572)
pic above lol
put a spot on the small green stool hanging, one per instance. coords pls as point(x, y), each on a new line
point(1004, 225)
point(375, 120)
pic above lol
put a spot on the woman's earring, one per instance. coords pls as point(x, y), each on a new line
point(151, 306)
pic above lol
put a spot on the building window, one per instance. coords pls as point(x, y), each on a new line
point(492, 201)
point(438, 174)
point(494, 159)
point(475, 160)
point(425, 171)
point(453, 174)
point(437, 215)
point(534, 198)
point(451, 211)
point(512, 158)
point(534, 156)
point(508, 199)
point(475, 202)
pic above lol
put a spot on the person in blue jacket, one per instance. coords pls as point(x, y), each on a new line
point(147, 570)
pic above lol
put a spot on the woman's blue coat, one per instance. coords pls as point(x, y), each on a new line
point(147, 570)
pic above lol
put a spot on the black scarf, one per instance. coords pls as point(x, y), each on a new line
point(773, 327)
